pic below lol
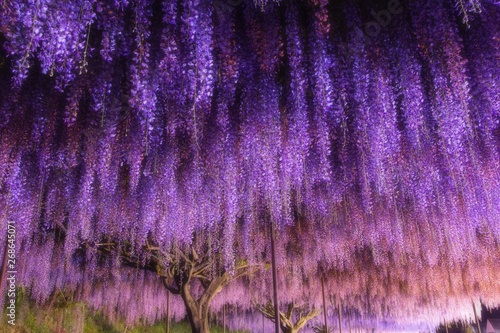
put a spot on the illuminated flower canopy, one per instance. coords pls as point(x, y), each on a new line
point(367, 132)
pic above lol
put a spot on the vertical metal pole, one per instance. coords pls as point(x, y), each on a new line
point(475, 315)
point(340, 317)
point(168, 312)
point(224, 318)
point(349, 320)
point(324, 303)
point(275, 282)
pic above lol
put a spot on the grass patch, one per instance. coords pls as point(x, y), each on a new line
point(61, 315)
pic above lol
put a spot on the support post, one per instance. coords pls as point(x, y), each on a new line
point(324, 303)
point(446, 326)
point(224, 318)
point(168, 312)
point(340, 316)
point(349, 320)
point(275, 281)
point(475, 315)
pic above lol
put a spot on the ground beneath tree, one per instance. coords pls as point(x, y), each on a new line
point(75, 317)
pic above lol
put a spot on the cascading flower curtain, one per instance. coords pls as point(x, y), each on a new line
point(159, 120)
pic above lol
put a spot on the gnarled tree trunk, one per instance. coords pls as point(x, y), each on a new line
point(197, 312)
point(198, 320)
point(178, 278)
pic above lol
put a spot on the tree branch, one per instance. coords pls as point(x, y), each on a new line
point(214, 287)
point(286, 318)
point(289, 311)
point(174, 290)
point(267, 310)
point(304, 319)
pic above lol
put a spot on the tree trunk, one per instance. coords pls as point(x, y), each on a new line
point(197, 312)
point(198, 319)
point(200, 325)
